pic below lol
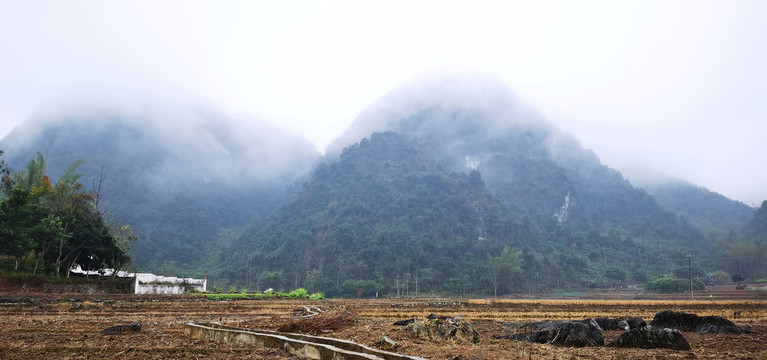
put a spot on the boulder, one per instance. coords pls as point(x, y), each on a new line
point(717, 324)
point(404, 322)
point(121, 329)
point(386, 343)
point(563, 333)
point(690, 322)
point(636, 323)
point(444, 328)
point(649, 337)
point(612, 324)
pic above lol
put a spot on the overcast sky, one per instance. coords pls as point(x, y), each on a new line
point(668, 87)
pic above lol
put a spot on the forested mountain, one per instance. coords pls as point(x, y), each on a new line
point(756, 228)
point(447, 184)
point(712, 213)
point(181, 178)
point(439, 178)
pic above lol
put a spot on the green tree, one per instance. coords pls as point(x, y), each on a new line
point(49, 231)
point(18, 217)
point(6, 181)
point(32, 175)
point(74, 231)
point(615, 273)
point(503, 268)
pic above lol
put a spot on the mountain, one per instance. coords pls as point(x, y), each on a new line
point(437, 178)
point(179, 176)
point(756, 228)
point(448, 184)
point(708, 211)
point(477, 122)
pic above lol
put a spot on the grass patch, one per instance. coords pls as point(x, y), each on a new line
point(295, 294)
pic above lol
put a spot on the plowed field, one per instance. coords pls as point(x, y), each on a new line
point(67, 326)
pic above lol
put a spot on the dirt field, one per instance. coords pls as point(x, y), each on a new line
point(67, 326)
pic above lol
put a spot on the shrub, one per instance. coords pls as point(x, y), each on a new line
point(299, 293)
point(673, 285)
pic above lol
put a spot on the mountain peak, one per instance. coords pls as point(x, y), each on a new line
point(451, 100)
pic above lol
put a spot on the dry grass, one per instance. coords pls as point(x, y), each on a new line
point(54, 330)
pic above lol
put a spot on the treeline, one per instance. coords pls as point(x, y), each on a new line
point(51, 226)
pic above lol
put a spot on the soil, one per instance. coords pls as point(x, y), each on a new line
point(67, 326)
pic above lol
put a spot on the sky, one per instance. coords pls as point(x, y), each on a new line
point(671, 88)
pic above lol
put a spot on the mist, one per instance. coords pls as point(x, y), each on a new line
point(173, 143)
point(650, 87)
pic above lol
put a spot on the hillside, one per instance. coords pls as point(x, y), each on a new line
point(710, 212)
point(445, 185)
point(449, 183)
point(756, 228)
point(179, 183)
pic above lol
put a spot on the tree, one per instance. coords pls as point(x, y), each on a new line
point(32, 175)
point(17, 218)
point(49, 231)
point(504, 267)
point(124, 239)
point(60, 221)
point(6, 181)
point(718, 277)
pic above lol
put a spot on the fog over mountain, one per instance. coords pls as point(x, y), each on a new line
point(179, 175)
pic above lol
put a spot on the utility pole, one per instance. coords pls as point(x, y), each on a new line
point(690, 259)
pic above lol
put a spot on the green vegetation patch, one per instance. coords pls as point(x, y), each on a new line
point(669, 285)
point(299, 293)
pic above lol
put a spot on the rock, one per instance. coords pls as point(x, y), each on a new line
point(443, 328)
point(690, 322)
point(121, 329)
point(593, 326)
point(717, 324)
point(607, 324)
point(386, 343)
point(636, 323)
point(563, 333)
point(650, 337)
point(404, 322)
point(612, 324)
point(433, 316)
